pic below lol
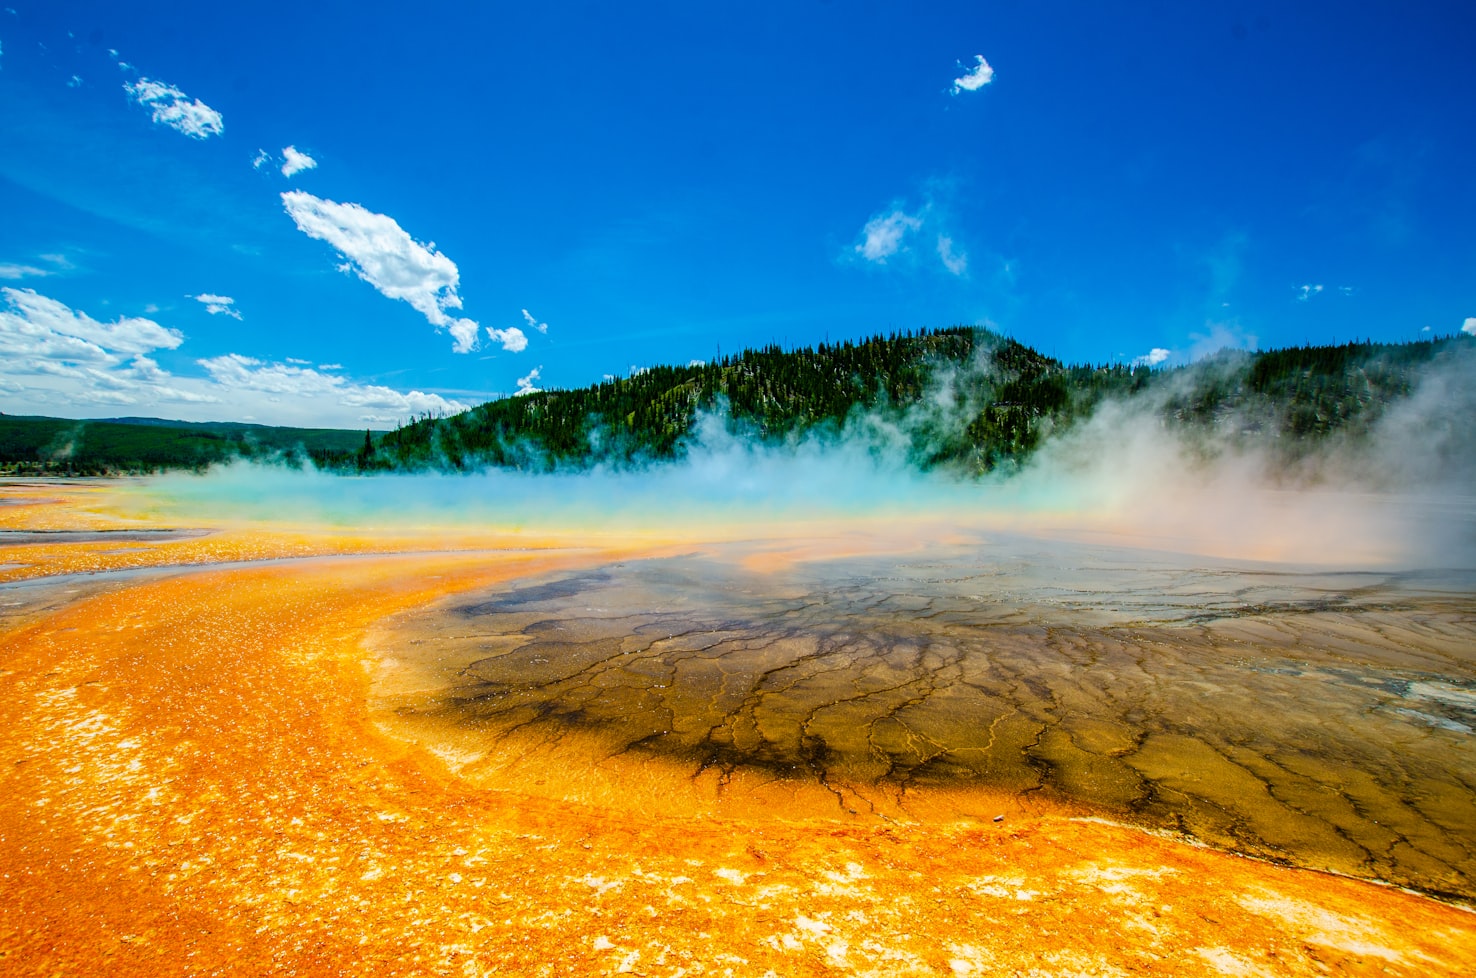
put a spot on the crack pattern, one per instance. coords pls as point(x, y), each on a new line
point(1317, 719)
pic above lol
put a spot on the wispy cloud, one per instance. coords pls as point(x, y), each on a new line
point(261, 159)
point(1305, 292)
point(1153, 357)
point(217, 305)
point(513, 340)
point(175, 109)
point(1220, 336)
point(534, 323)
point(53, 265)
point(235, 373)
point(955, 261)
point(882, 236)
point(75, 81)
point(975, 78)
point(892, 234)
point(381, 253)
point(525, 384)
point(296, 162)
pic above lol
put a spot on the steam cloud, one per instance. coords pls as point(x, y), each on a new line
point(1400, 498)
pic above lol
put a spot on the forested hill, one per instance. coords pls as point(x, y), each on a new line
point(60, 446)
point(961, 398)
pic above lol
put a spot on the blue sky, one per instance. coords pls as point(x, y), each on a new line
point(507, 197)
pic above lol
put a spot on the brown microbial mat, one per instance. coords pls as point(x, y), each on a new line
point(260, 751)
point(1320, 719)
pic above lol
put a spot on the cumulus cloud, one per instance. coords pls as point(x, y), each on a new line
point(1305, 292)
point(217, 305)
point(296, 162)
point(261, 159)
point(1469, 326)
point(381, 253)
point(882, 236)
point(525, 384)
point(975, 78)
point(45, 346)
point(534, 323)
point(175, 109)
point(513, 340)
point(35, 317)
point(56, 360)
point(955, 261)
point(1152, 358)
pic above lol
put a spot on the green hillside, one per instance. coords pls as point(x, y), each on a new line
point(55, 446)
point(962, 398)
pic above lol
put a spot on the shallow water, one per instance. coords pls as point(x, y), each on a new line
point(1323, 719)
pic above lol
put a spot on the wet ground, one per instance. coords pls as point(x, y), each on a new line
point(211, 762)
point(1318, 718)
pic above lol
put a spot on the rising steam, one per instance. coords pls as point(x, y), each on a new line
point(1397, 496)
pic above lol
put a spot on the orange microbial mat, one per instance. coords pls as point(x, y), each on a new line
point(245, 749)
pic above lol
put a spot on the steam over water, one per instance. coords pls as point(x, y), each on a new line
point(1129, 627)
point(1322, 718)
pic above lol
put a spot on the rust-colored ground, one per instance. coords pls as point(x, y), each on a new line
point(190, 784)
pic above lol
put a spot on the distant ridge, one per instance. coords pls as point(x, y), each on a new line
point(962, 398)
point(31, 445)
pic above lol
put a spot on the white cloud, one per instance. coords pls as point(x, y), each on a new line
point(1305, 292)
point(15, 270)
point(955, 261)
point(236, 373)
point(37, 316)
point(217, 305)
point(75, 81)
point(174, 108)
point(696, 363)
point(54, 360)
point(261, 159)
point(513, 340)
point(1346, 289)
point(889, 236)
point(882, 236)
point(525, 384)
point(48, 349)
point(1469, 326)
point(1152, 358)
point(534, 323)
point(330, 366)
point(295, 162)
point(381, 253)
point(975, 78)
